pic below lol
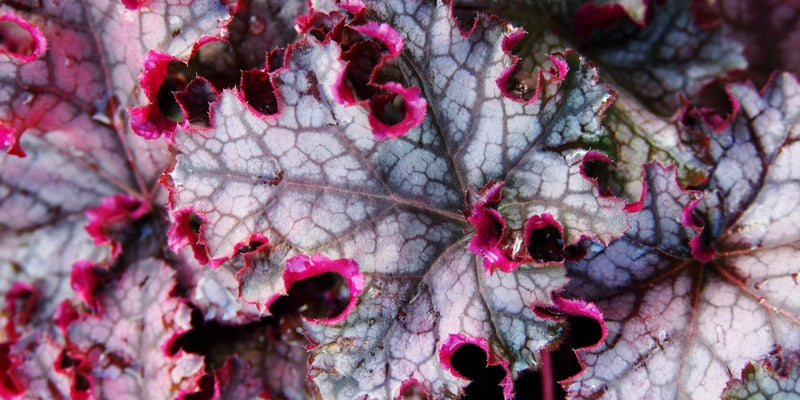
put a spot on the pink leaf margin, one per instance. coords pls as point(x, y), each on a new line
point(148, 121)
point(38, 42)
point(302, 266)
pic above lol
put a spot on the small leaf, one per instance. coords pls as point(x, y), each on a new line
point(761, 380)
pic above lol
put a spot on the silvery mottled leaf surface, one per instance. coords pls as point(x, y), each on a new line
point(696, 289)
point(314, 179)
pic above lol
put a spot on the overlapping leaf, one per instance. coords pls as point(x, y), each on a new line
point(763, 380)
point(656, 59)
point(768, 30)
point(314, 179)
point(64, 107)
point(683, 314)
point(123, 349)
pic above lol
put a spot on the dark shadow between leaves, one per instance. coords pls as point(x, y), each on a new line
point(562, 362)
point(470, 361)
point(323, 296)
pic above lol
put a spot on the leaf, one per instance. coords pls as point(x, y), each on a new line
point(763, 380)
point(62, 105)
point(768, 31)
point(129, 338)
point(317, 180)
point(32, 368)
point(684, 310)
point(215, 292)
point(656, 61)
point(639, 136)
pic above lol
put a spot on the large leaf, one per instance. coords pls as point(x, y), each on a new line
point(315, 179)
point(686, 311)
point(68, 70)
point(63, 104)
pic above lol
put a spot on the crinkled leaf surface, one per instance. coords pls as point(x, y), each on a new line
point(314, 179)
point(66, 105)
point(681, 318)
point(761, 380)
point(126, 345)
point(640, 136)
point(61, 106)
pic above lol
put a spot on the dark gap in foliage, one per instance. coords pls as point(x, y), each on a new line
point(520, 83)
point(216, 341)
point(178, 75)
point(140, 237)
point(206, 391)
point(518, 86)
point(470, 361)
point(389, 108)
point(362, 58)
point(712, 106)
point(582, 332)
point(81, 383)
point(20, 303)
point(250, 246)
point(195, 222)
point(545, 243)
point(574, 252)
point(258, 26)
point(7, 381)
point(715, 96)
point(64, 361)
point(321, 296)
point(528, 385)
point(605, 174)
point(259, 92)
point(16, 39)
point(275, 58)
point(217, 62)
point(348, 37)
point(195, 99)
point(593, 18)
point(465, 17)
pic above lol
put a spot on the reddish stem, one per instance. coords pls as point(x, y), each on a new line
point(547, 375)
